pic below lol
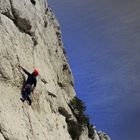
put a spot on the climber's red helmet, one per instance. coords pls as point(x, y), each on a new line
point(36, 72)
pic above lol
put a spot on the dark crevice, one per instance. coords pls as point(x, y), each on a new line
point(45, 24)
point(46, 11)
point(72, 84)
point(16, 22)
point(60, 84)
point(65, 67)
point(7, 14)
point(51, 94)
point(33, 2)
point(3, 77)
point(65, 113)
point(44, 81)
point(5, 137)
point(59, 37)
point(22, 24)
point(64, 51)
point(34, 40)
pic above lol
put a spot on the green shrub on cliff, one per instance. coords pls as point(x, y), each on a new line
point(75, 128)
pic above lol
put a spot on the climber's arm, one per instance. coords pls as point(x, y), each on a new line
point(34, 86)
point(26, 72)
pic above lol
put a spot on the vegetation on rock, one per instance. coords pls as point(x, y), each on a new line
point(75, 128)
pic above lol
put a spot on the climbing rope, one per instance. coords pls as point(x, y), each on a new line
point(26, 113)
point(34, 41)
point(33, 53)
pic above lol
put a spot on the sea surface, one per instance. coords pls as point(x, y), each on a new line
point(102, 40)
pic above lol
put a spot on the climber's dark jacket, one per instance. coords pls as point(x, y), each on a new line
point(31, 80)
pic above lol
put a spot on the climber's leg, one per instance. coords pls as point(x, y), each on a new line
point(26, 91)
point(24, 96)
point(29, 100)
point(22, 99)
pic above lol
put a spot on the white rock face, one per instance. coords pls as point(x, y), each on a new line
point(84, 135)
point(30, 36)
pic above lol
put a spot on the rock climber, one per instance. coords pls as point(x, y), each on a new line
point(29, 85)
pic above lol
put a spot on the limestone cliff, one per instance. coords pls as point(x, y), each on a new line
point(30, 36)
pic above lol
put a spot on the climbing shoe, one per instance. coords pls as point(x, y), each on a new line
point(22, 99)
point(30, 102)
